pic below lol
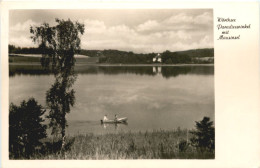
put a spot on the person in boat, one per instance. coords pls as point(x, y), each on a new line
point(116, 117)
point(105, 118)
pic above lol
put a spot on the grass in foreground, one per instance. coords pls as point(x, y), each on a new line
point(149, 145)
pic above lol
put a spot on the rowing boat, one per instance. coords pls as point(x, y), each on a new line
point(119, 120)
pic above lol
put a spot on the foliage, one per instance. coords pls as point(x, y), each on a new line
point(123, 57)
point(179, 57)
point(175, 58)
point(196, 56)
point(157, 144)
point(204, 135)
point(183, 146)
point(205, 52)
point(59, 45)
point(60, 99)
point(25, 50)
point(11, 49)
point(26, 128)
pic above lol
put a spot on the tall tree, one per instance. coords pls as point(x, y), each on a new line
point(59, 44)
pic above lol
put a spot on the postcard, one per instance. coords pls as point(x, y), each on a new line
point(130, 84)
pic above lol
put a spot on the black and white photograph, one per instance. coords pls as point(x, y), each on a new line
point(111, 84)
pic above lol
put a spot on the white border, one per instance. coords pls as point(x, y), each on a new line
point(237, 112)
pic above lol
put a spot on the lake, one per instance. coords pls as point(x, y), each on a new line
point(151, 97)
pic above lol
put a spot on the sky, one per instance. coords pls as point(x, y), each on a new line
point(137, 30)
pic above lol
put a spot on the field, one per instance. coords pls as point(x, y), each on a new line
point(21, 59)
point(143, 145)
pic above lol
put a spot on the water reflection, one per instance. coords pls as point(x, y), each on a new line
point(165, 71)
point(115, 125)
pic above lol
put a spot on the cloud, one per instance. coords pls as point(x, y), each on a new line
point(150, 24)
point(180, 18)
point(23, 41)
point(177, 32)
point(205, 18)
point(19, 34)
point(183, 18)
point(25, 26)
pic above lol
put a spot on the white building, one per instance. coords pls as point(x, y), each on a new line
point(157, 58)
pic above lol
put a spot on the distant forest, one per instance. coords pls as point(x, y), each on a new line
point(196, 56)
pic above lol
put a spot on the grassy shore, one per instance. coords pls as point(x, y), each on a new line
point(146, 145)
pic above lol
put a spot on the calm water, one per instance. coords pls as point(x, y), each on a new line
point(151, 97)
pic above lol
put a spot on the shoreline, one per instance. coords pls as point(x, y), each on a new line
point(115, 65)
point(155, 65)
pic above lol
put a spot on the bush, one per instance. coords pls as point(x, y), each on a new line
point(25, 128)
point(204, 135)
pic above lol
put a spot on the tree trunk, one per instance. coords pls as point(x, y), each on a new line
point(63, 135)
point(63, 124)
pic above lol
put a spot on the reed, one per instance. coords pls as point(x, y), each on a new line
point(158, 144)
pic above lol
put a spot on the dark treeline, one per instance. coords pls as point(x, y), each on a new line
point(122, 57)
point(206, 52)
point(18, 50)
point(165, 71)
point(196, 56)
